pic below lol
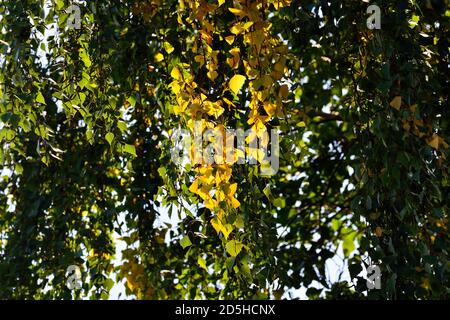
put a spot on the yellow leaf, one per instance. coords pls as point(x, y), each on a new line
point(194, 187)
point(396, 103)
point(217, 224)
point(200, 59)
point(247, 25)
point(168, 47)
point(130, 284)
point(159, 57)
point(203, 192)
point(211, 204)
point(406, 126)
point(236, 83)
point(270, 108)
point(228, 102)
point(279, 66)
point(214, 109)
point(257, 37)
point(255, 117)
point(228, 196)
point(202, 263)
point(221, 2)
point(240, 27)
point(205, 171)
point(237, 29)
point(212, 74)
point(175, 86)
point(220, 195)
point(220, 227)
point(278, 4)
point(180, 108)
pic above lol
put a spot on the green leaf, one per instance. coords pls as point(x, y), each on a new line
point(132, 100)
point(129, 148)
point(40, 98)
point(202, 263)
point(168, 47)
point(348, 244)
point(122, 126)
point(229, 262)
point(162, 171)
point(90, 136)
point(245, 270)
point(279, 202)
point(109, 137)
point(85, 58)
point(268, 193)
point(18, 168)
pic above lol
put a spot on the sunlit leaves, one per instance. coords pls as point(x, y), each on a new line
point(40, 98)
point(229, 39)
point(348, 244)
point(234, 247)
point(168, 47)
point(129, 148)
point(159, 57)
point(85, 57)
point(109, 137)
point(202, 263)
point(185, 242)
point(240, 27)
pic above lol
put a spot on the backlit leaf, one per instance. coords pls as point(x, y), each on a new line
point(236, 83)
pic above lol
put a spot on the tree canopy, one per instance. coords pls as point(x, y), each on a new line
point(91, 93)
